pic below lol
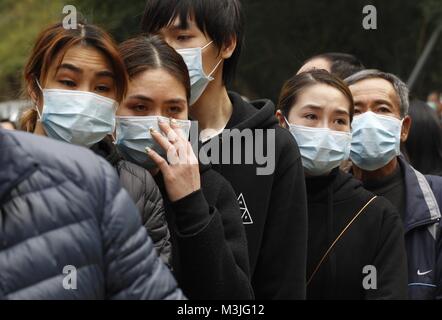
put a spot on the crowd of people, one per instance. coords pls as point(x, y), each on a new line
point(103, 176)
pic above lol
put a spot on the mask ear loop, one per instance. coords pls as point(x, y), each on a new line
point(287, 123)
point(216, 67)
point(36, 107)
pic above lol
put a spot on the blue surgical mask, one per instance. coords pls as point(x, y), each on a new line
point(193, 57)
point(133, 137)
point(322, 149)
point(376, 140)
point(77, 117)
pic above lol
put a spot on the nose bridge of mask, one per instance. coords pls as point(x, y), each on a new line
point(88, 104)
point(139, 127)
point(371, 120)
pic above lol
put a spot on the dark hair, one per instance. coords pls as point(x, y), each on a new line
point(343, 65)
point(221, 20)
point(292, 88)
point(57, 40)
point(424, 144)
point(147, 53)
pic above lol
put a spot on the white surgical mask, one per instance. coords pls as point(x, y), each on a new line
point(193, 57)
point(322, 149)
point(77, 117)
point(376, 140)
point(133, 136)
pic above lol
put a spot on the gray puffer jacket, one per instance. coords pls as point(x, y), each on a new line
point(60, 206)
point(143, 190)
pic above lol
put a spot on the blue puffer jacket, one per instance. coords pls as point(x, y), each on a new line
point(61, 205)
point(423, 237)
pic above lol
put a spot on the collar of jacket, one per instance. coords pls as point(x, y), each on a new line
point(15, 162)
point(421, 205)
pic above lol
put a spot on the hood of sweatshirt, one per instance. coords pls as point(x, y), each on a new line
point(259, 114)
point(341, 184)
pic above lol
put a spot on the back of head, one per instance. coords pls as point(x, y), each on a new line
point(424, 144)
point(342, 65)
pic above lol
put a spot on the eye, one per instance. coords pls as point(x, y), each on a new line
point(175, 109)
point(139, 108)
point(183, 37)
point(311, 116)
point(357, 111)
point(68, 83)
point(341, 122)
point(102, 88)
point(383, 110)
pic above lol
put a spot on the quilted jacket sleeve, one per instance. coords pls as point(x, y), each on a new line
point(132, 267)
point(144, 191)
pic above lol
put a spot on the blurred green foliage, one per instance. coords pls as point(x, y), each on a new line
point(280, 35)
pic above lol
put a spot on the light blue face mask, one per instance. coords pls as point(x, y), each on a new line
point(77, 117)
point(376, 140)
point(322, 149)
point(193, 57)
point(133, 137)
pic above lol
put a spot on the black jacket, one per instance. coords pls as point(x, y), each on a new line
point(209, 246)
point(376, 238)
point(273, 206)
point(143, 190)
point(60, 205)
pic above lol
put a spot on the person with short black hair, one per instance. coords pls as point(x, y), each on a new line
point(209, 36)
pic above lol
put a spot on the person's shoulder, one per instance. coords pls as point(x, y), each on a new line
point(76, 163)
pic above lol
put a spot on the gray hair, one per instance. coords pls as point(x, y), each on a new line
point(399, 86)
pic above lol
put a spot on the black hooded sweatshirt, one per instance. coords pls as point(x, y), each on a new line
point(273, 206)
point(209, 245)
point(376, 238)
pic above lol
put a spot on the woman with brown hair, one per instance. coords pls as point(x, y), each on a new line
point(209, 248)
point(76, 79)
point(356, 244)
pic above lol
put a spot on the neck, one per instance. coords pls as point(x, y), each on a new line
point(39, 130)
point(214, 109)
point(374, 175)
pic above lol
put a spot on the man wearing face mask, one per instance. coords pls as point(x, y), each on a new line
point(209, 36)
point(381, 124)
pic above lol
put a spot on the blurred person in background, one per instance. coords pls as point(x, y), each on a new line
point(76, 80)
point(434, 100)
point(424, 144)
point(339, 64)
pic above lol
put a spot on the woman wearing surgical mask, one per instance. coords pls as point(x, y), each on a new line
point(209, 250)
point(355, 244)
point(76, 79)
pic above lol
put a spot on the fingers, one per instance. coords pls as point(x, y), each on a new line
point(159, 161)
point(161, 140)
point(177, 128)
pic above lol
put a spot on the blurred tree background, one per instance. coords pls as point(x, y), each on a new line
point(280, 35)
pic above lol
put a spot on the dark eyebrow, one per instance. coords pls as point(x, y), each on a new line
point(310, 106)
point(382, 101)
point(174, 101)
point(342, 112)
point(141, 97)
point(105, 73)
point(70, 67)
